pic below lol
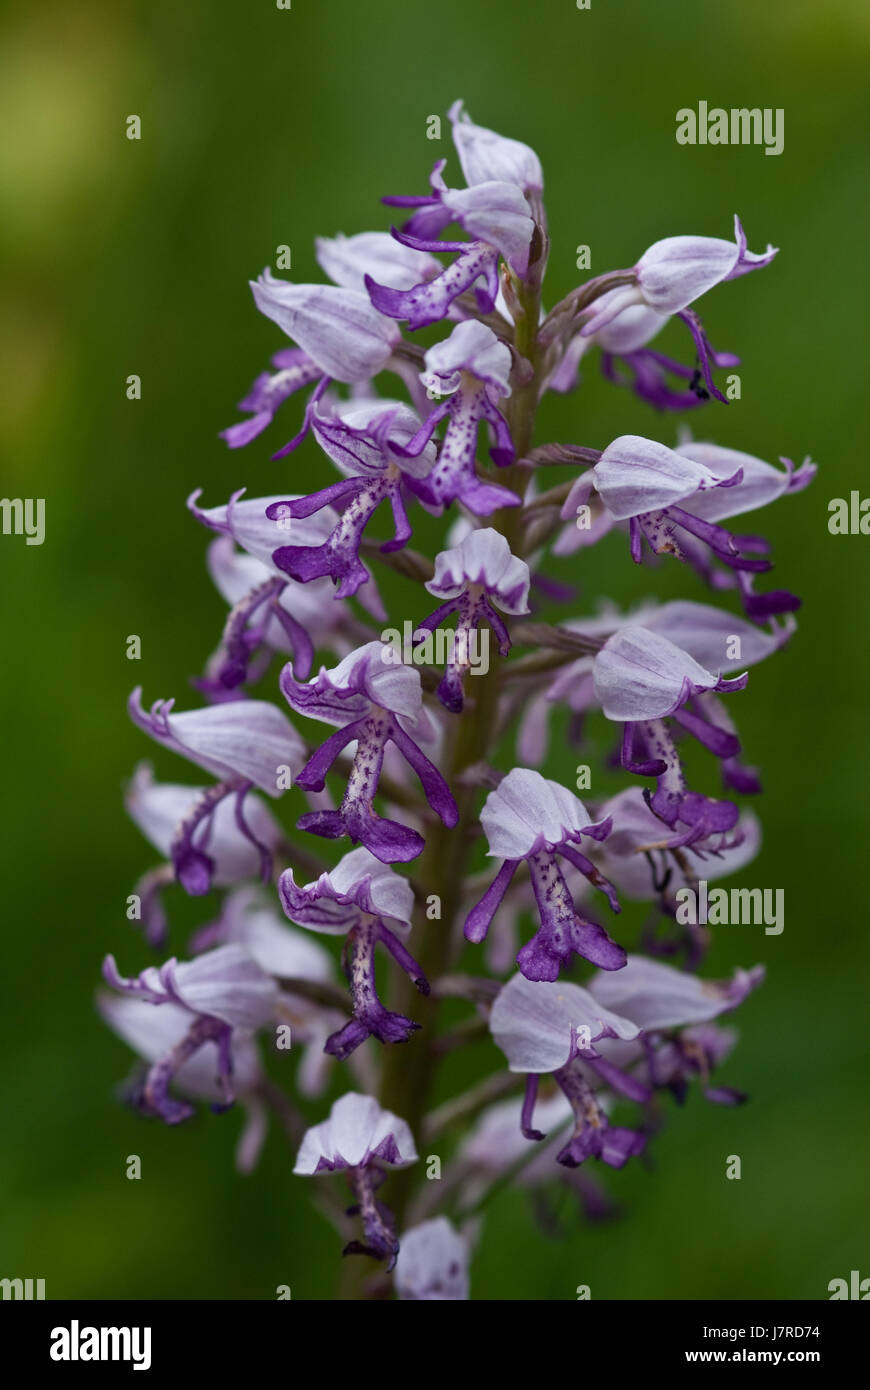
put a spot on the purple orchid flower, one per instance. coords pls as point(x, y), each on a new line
point(433, 1264)
point(712, 637)
point(162, 810)
point(670, 275)
point(364, 1141)
point(530, 818)
point(366, 902)
point(222, 991)
point(155, 1034)
point(494, 214)
point(340, 337)
point(373, 703)
point(248, 919)
point(662, 1000)
point(268, 609)
point(639, 866)
point(642, 678)
point(367, 444)
point(285, 564)
point(547, 1028)
point(662, 493)
point(624, 344)
point(472, 367)
point(245, 744)
point(474, 577)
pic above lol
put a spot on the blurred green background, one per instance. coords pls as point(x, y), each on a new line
point(263, 127)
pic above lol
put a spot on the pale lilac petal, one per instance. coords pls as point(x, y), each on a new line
point(641, 675)
point(338, 328)
point(471, 347)
point(247, 739)
point(657, 996)
point(347, 260)
point(246, 521)
point(432, 1264)
point(528, 812)
point(536, 1024)
point(483, 557)
point(497, 214)
point(227, 984)
point(760, 484)
point(359, 883)
point(357, 1131)
point(250, 921)
point(636, 475)
point(485, 155)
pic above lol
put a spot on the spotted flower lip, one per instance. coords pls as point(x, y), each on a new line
point(358, 884)
point(432, 1264)
point(485, 156)
point(640, 674)
point(528, 817)
point(249, 740)
point(494, 214)
point(294, 370)
point(369, 444)
point(373, 703)
point(358, 1133)
point(473, 366)
point(657, 996)
point(537, 1024)
point(675, 271)
point(483, 558)
point(527, 813)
